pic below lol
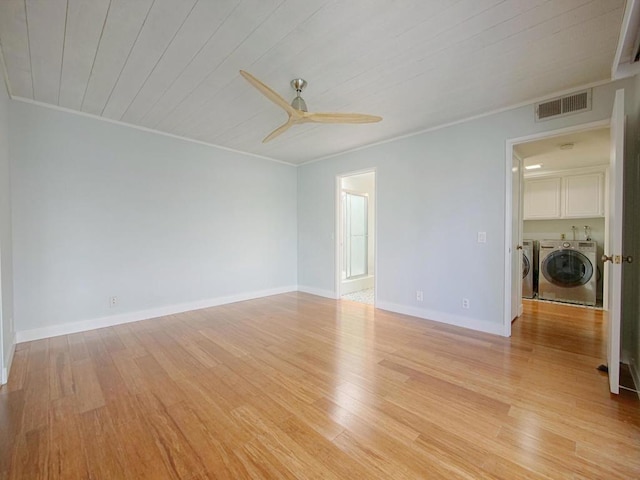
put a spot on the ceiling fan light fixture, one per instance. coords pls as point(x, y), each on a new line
point(299, 104)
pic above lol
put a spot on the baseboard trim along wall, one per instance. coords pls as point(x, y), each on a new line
point(103, 322)
point(92, 324)
point(4, 374)
point(447, 318)
point(318, 291)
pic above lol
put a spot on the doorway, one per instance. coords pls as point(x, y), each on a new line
point(355, 234)
point(542, 166)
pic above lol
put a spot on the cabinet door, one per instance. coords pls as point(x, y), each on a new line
point(542, 198)
point(583, 196)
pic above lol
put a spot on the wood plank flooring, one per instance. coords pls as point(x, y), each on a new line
point(297, 386)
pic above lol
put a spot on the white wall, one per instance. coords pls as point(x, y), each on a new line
point(435, 192)
point(6, 277)
point(103, 210)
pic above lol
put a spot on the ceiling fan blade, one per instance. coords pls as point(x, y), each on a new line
point(281, 129)
point(341, 118)
point(267, 92)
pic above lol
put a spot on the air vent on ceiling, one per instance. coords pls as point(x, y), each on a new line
point(561, 106)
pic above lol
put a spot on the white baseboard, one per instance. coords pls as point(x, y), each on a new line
point(459, 321)
point(4, 374)
point(318, 291)
point(92, 324)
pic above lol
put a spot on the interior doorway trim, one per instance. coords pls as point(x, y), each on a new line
point(508, 211)
point(337, 230)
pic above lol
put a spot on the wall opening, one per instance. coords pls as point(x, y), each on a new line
point(356, 237)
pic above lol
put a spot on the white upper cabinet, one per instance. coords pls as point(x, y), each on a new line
point(564, 196)
point(542, 198)
point(583, 196)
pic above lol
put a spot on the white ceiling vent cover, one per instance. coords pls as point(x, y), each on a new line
point(562, 106)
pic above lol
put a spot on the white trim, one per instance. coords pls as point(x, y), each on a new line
point(567, 171)
point(146, 129)
point(584, 127)
point(84, 325)
point(337, 252)
point(446, 318)
point(629, 20)
point(508, 230)
point(318, 291)
point(462, 120)
point(4, 374)
point(510, 142)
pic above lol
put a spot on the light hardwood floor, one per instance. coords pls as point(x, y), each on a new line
point(297, 386)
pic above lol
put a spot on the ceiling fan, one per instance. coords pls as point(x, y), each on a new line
point(297, 110)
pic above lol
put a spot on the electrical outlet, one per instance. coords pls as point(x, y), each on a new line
point(482, 237)
point(419, 295)
point(465, 303)
point(113, 301)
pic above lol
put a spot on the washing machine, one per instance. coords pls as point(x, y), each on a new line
point(568, 271)
point(528, 268)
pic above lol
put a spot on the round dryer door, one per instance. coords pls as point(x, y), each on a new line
point(526, 266)
point(567, 268)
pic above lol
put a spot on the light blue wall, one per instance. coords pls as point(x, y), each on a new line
point(435, 192)
point(103, 210)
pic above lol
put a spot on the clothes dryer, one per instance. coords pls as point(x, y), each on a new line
point(567, 271)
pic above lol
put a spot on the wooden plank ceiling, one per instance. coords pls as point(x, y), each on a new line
point(172, 65)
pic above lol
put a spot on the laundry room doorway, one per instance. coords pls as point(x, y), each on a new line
point(572, 199)
point(355, 236)
point(562, 222)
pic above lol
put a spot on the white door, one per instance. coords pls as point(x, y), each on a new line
point(613, 242)
point(516, 239)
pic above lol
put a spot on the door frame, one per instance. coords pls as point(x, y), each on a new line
point(508, 211)
point(338, 230)
point(3, 370)
point(518, 285)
